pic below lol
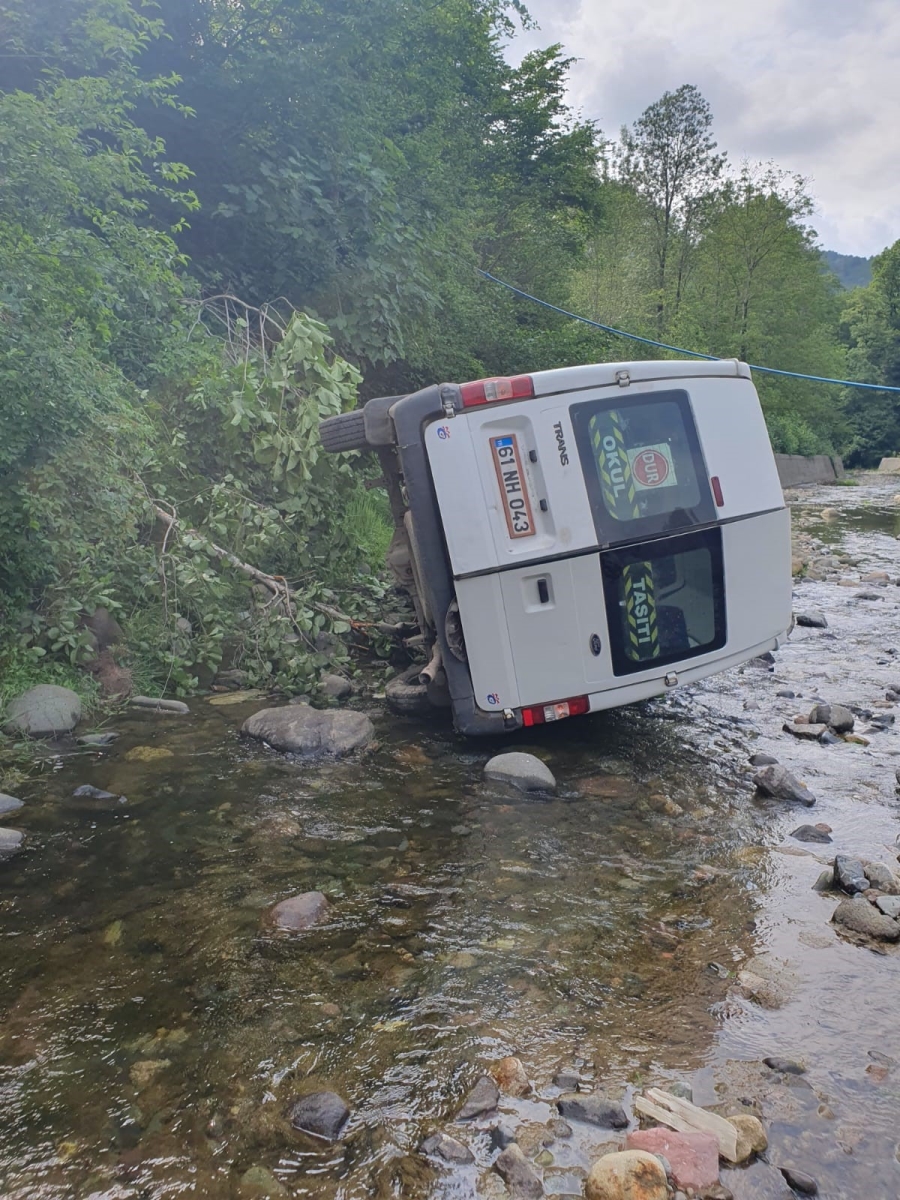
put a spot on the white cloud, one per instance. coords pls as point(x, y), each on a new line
point(813, 84)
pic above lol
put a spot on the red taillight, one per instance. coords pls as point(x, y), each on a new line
point(717, 491)
point(540, 714)
point(486, 391)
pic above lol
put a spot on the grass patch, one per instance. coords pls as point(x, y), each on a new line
point(21, 669)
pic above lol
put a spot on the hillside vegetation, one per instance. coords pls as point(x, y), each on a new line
point(222, 221)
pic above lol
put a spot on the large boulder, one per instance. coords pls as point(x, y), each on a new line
point(627, 1175)
point(836, 716)
point(522, 771)
point(692, 1157)
point(298, 913)
point(592, 1107)
point(323, 1114)
point(43, 711)
point(776, 781)
point(483, 1098)
point(11, 842)
point(299, 729)
point(9, 804)
point(859, 916)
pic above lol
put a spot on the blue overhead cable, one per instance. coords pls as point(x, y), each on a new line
point(635, 337)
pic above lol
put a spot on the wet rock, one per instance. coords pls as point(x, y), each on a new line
point(43, 711)
point(859, 916)
point(764, 662)
point(592, 1107)
point(849, 874)
point(835, 716)
point(11, 842)
point(9, 804)
point(776, 781)
point(322, 1114)
point(811, 620)
point(810, 733)
point(784, 1066)
point(98, 739)
point(881, 721)
point(751, 1137)
point(259, 1184)
point(510, 1077)
point(766, 760)
point(810, 833)
point(786, 694)
point(825, 882)
point(159, 705)
point(517, 1173)
point(693, 1158)
point(147, 754)
point(502, 1135)
point(87, 791)
point(336, 687)
point(559, 1128)
point(567, 1081)
point(143, 1073)
point(865, 595)
point(627, 1175)
point(523, 771)
point(298, 913)
point(299, 729)
point(875, 577)
point(533, 1137)
point(889, 905)
point(441, 1145)
point(827, 738)
point(804, 1184)
point(882, 878)
point(483, 1098)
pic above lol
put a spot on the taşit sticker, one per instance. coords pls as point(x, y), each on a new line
point(443, 432)
point(652, 466)
point(493, 698)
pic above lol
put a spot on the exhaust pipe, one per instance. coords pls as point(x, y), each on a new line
point(428, 673)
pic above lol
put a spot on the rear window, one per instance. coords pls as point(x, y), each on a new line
point(642, 465)
point(664, 600)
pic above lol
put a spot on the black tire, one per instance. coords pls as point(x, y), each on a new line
point(346, 431)
point(406, 696)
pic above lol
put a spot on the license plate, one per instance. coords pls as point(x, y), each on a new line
point(513, 488)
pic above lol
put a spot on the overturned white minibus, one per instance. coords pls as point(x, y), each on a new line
point(580, 538)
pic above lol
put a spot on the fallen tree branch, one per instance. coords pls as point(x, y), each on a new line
point(276, 584)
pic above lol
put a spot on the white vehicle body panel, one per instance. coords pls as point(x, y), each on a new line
point(527, 553)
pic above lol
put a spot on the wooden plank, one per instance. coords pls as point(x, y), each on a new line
point(685, 1117)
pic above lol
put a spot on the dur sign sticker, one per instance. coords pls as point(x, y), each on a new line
point(652, 466)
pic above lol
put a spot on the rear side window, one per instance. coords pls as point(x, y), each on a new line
point(642, 465)
point(665, 600)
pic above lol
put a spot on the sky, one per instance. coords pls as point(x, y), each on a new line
point(812, 84)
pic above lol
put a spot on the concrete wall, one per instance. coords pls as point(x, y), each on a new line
point(796, 469)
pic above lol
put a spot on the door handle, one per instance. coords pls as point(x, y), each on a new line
point(543, 591)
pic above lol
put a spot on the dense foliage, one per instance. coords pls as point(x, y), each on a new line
point(220, 219)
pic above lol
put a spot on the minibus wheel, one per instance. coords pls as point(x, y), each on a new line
point(346, 431)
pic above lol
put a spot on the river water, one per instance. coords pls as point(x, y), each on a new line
point(154, 1033)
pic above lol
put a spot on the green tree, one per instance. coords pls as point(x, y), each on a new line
point(870, 328)
point(668, 158)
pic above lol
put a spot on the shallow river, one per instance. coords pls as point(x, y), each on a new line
point(154, 1034)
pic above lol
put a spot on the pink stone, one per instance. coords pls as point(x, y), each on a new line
point(693, 1157)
